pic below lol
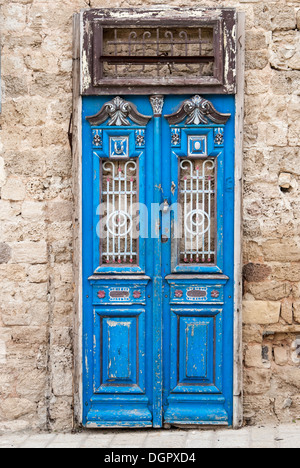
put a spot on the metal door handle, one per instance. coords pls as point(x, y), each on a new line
point(166, 206)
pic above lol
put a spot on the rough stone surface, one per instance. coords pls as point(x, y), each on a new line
point(5, 253)
point(256, 272)
point(296, 311)
point(36, 209)
point(261, 312)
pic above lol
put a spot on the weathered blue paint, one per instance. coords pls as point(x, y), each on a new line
point(164, 354)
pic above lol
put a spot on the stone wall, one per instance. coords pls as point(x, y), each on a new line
point(36, 206)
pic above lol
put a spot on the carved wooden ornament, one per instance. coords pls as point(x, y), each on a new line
point(118, 111)
point(197, 111)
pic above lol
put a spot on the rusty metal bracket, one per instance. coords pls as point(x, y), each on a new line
point(70, 131)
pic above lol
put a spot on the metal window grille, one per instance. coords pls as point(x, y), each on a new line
point(198, 199)
point(118, 226)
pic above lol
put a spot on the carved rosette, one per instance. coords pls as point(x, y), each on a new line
point(197, 111)
point(215, 294)
point(119, 111)
point(157, 103)
point(178, 293)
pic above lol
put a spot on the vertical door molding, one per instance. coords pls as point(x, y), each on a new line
point(157, 103)
point(77, 218)
point(238, 234)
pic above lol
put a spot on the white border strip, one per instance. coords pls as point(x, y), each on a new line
point(238, 235)
point(77, 221)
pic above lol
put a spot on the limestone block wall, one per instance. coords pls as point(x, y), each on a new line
point(36, 209)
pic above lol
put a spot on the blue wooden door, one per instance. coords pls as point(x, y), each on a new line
point(158, 248)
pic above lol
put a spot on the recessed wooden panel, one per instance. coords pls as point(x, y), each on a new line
point(196, 350)
point(119, 351)
point(196, 339)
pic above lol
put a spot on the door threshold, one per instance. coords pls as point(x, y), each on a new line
point(121, 425)
point(199, 426)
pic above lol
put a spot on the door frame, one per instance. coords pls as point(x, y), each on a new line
point(75, 135)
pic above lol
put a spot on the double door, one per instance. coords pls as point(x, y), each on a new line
point(158, 249)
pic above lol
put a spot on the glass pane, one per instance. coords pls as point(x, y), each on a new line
point(119, 197)
point(198, 202)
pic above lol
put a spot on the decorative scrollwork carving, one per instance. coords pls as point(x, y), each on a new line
point(157, 103)
point(197, 111)
point(118, 111)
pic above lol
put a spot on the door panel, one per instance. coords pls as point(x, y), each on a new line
point(158, 277)
point(196, 351)
point(119, 351)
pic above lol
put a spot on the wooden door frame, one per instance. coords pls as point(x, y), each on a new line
point(76, 140)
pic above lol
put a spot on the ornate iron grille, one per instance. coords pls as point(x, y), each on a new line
point(157, 52)
point(198, 198)
point(118, 234)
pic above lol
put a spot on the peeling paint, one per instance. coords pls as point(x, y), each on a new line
point(86, 78)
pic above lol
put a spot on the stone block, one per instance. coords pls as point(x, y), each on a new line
point(261, 312)
point(38, 273)
point(59, 211)
point(34, 291)
point(29, 252)
point(256, 272)
point(258, 81)
point(277, 134)
point(62, 365)
point(15, 408)
point(63, 314)
point(256, 40)
point(296, 311)
point(13, 190)
point(285, 51)
point(24, 335)
point(253, 357)
point(283, 251)
point(61, 414)
point(33, 210)
point(287, 311)
point(31, 384)
point(290, 376)
point(38, 312)
point(285, 82)
point(15, 314)
point(253, 334)
point(2, 172)
point(257, 59)
point(283, 17)
point(286, 271)
point(5, 253)
point(257, 381)
point(281, 356)
point(294, 133)
point(269, 290)
point(285, 180)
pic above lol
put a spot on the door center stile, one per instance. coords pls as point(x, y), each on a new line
point(157, 103)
